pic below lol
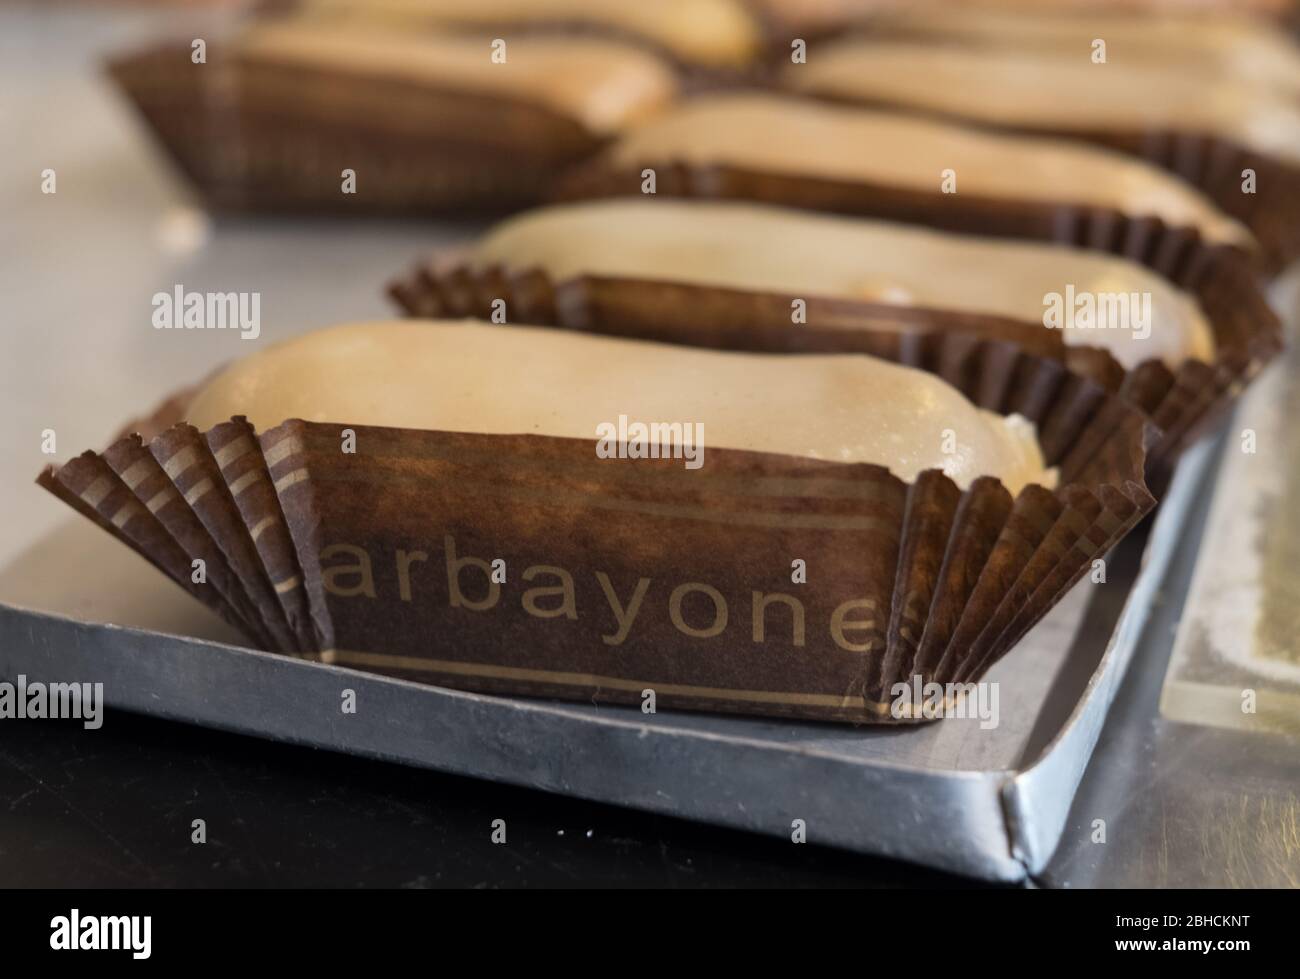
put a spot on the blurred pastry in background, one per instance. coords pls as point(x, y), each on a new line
point(1215, 41)
point(1053, 89)
point(819, 17)
point(740, 276)
point(295, 114)
point(1214, 129)
point(758, 248)
point(712, 34)
point(887, 163)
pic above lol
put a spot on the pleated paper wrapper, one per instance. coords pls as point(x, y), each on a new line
point(623, 577)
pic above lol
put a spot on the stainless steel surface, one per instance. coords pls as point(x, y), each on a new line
point(79, 267)
point(1236, 662)
point(1185, 790)
point(988, 803)
point(1038, 799)
point(1180, 805)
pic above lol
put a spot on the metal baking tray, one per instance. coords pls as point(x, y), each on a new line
point(1236, 664)
point(989, 803)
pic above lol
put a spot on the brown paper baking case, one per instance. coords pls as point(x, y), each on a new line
point(1213, 164)
point(1216, 167)
point(254, 135)
point(618, 577)
point(1179, 402)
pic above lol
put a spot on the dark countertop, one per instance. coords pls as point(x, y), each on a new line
point(113, 808)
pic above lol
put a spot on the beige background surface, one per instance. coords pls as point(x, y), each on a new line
point(78, 268)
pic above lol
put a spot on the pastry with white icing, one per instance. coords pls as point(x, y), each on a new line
point(601, 83)
point(770, 249)
point(789, 136)
point(710, 33)
point(472, 377)
point(1054, 90)
point(1222, 42)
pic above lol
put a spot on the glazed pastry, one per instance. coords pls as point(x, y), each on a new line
point(827, 16)
point(769, 249)
point(781, 135)
point(473, 377)
point(1221, 42)
point(474, 549)
point(310, 114)
point(601, 84)
point(709, 33)
point(1052, 91)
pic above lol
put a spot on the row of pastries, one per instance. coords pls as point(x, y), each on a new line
point(445, 105)
point(825, 232)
